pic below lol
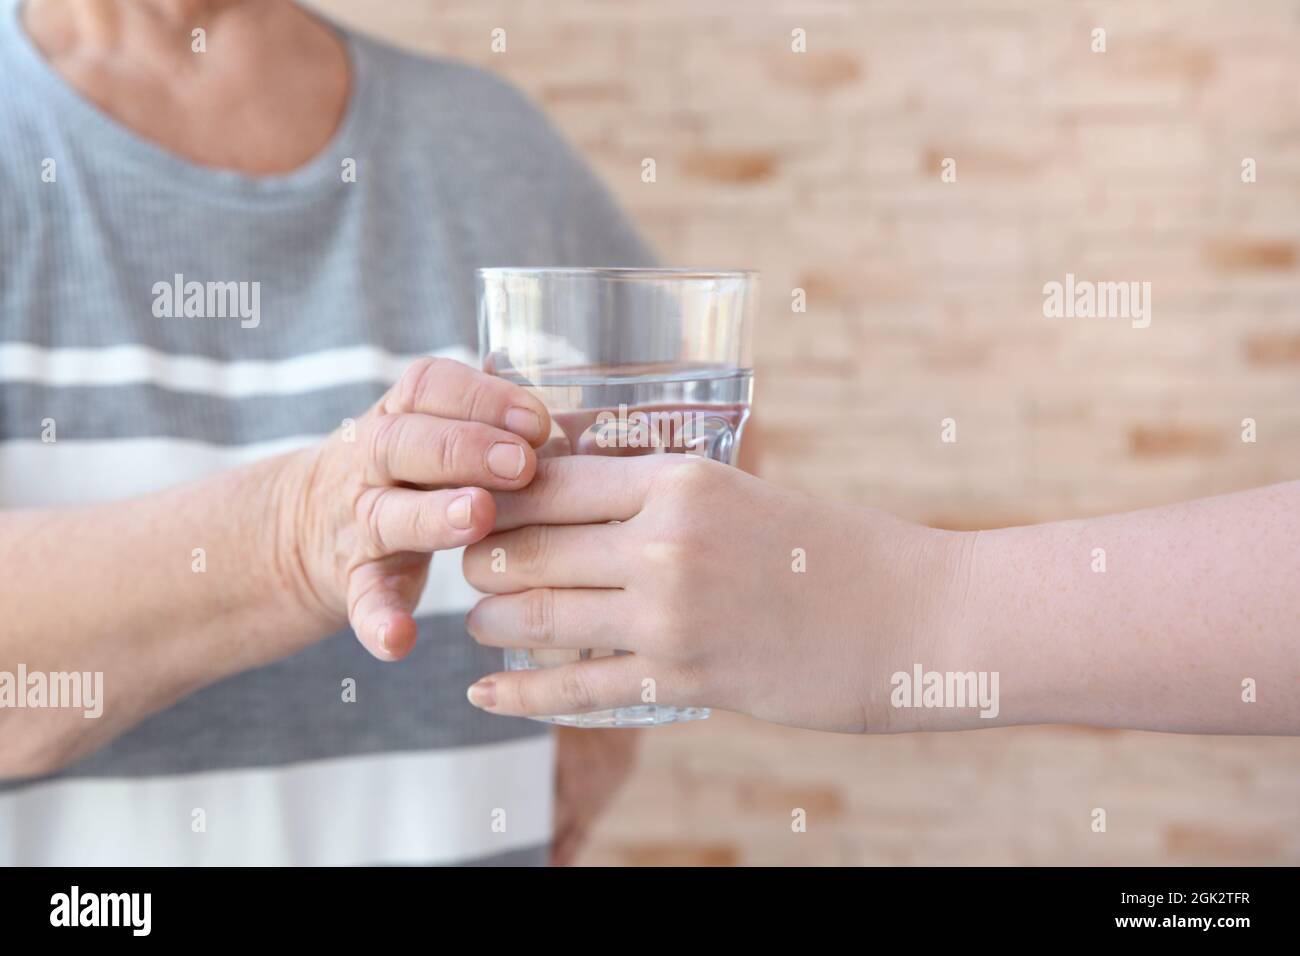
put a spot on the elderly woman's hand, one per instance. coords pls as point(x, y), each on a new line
point(372, 504)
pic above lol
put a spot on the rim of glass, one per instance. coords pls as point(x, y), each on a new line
point(619, 272)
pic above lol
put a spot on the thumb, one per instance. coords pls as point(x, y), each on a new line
point(382, 596)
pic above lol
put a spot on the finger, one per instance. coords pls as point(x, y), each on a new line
point(450, 389)
point(557, 556)
point(381, 598)
point(555, 618)
point(423, 450)
point(582, 489)
point(403, 519)
point(569, 689)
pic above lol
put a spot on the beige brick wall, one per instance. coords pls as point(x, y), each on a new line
point(925, 301)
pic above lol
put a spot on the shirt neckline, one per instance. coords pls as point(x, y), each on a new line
point(114, 139)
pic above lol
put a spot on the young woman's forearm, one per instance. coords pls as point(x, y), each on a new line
point(733, 593)
point(1181, 618)
point(162, 595)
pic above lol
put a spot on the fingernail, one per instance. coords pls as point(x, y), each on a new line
point(524, 422)
point(382, 636)
point(505, 459)
point(458, 512)
point(482, 694)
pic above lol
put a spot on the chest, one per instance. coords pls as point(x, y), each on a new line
point(91, 265)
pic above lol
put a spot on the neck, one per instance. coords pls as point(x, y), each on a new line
point(100, 26)
point(260, 90)
point(179, 11)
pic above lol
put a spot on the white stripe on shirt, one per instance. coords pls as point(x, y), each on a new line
point(430, 807)
point(36, 474)
point(140, 365)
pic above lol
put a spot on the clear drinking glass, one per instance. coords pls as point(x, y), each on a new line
point(629, 362)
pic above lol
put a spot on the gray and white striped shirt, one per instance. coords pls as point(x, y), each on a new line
point(453, 170)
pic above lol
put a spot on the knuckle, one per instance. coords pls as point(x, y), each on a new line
point(680, 500)
point(531, 545)
point(385, 436)
point(414, 381)
point(539, 616)
point(545, 494)
point(451, 440)
point(546, 488)
point(367, 510)
point(681, 475)
point(575, 690)
point(664, 551)
point(521, 694)
point(672, 546)
point(431, 374)
point(478, 400)
point(430, 519)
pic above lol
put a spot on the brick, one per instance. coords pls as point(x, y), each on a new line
point(817, 71)
point(1207, 842)
point(1244, 255)
point(1149, 441)
point(679, 854)
point(1273, 349)
point(730, 167)
point(771, 797)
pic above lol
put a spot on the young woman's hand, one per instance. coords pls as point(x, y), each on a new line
point(728, 591)
point(366, 510)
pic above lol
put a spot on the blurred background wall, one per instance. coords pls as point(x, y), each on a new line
point(924, 302)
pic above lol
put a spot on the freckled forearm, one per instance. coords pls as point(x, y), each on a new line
point(1166, 619)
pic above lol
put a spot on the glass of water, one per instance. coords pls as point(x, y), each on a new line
point(629, 362)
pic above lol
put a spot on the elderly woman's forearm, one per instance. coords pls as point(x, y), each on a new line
point(160, 595)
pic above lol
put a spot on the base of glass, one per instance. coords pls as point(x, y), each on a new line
point(644, 715)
